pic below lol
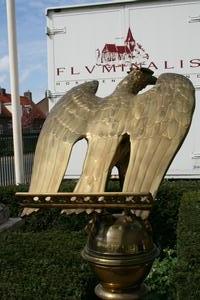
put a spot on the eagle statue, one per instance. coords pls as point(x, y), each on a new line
point(139, 133)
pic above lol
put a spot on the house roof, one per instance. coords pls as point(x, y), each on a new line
point(110, 48)
point(30, 112)
point(36, 113)
point(115, 49)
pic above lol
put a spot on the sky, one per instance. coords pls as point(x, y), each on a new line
point(31, 39)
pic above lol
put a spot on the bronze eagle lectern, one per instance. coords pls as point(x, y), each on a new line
point(139, 133)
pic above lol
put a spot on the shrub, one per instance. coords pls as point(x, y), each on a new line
point(7, 196)
point(187, 275)
point(164, 215)
point(160, 279)
point(48, 265)
point(44, 265)
point(53, 219)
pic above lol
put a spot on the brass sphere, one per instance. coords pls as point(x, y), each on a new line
point(121, 252)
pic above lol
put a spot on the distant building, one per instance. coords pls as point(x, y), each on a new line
point(43, 105)
point(32, 117)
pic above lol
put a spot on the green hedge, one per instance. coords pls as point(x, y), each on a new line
point(163, 218)
point(44, 265)
point(164, 215)
point(43, 260)
point(187, 276)
point(48, 265)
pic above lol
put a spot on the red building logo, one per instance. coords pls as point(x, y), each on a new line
point(130, 52)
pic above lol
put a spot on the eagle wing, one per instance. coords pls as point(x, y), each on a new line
point(158, 123)
point(66, 124)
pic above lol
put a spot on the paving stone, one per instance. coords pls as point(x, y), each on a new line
point(11, 223)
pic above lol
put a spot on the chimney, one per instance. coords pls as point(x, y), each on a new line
point(28, 95)
point(2, 91)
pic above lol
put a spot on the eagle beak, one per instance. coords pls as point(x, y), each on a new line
point(152, 79)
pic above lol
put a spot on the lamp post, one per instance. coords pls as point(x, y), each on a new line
point(15, 98)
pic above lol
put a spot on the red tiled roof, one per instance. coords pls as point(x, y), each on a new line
point(36, 113)
point(115, 49)
point(109, 48)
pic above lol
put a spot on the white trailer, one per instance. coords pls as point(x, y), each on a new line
point(101, 41)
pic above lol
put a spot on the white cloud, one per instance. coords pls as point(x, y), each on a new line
point(4, 63)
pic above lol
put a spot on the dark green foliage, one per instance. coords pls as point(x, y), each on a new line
point(160, 278)
point(6, 143)
point(113, 186)
point(67, 185)
point(52, 219)
point(48, 265)
point(187, 275)
point(164, 215)
point(43, 266)
point(29, 143)
point(7, 196)
point(37, 263)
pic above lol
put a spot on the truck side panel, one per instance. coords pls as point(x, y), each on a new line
point(102, 42)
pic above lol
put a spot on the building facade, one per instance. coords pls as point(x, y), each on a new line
point(31, 116)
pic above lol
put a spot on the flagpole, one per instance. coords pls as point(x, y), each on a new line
point(15, 98)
